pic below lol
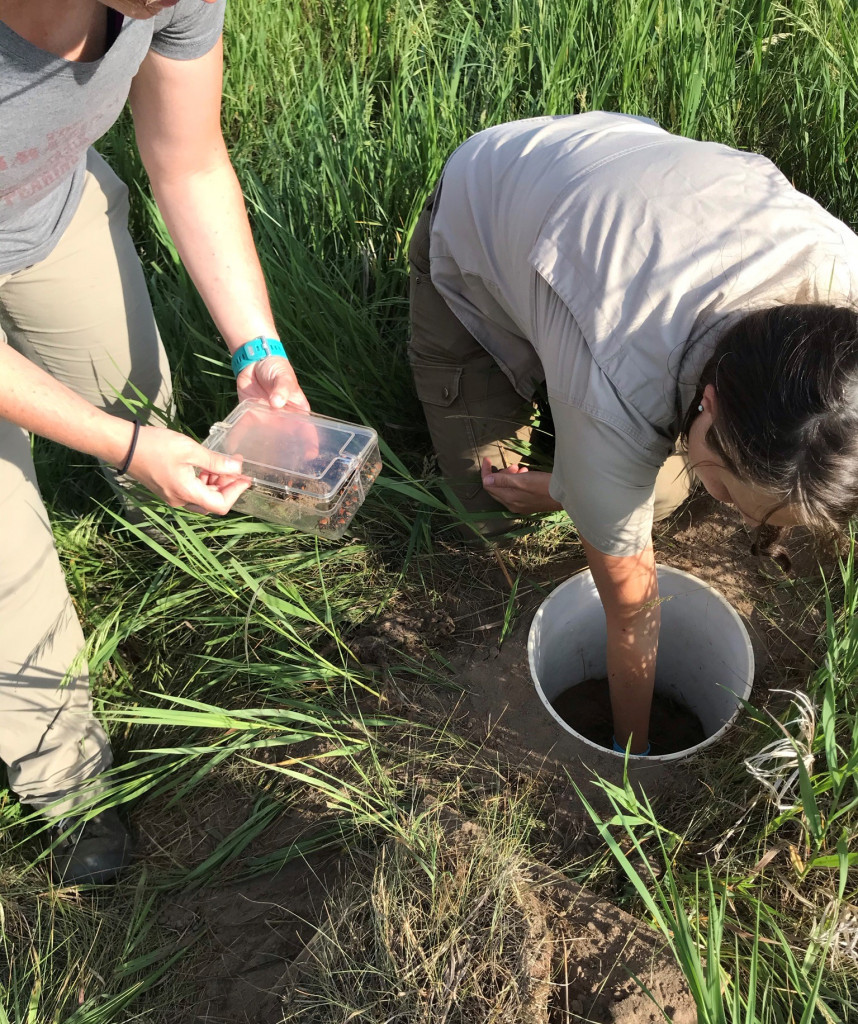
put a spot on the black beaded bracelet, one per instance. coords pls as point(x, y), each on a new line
point(125, 465)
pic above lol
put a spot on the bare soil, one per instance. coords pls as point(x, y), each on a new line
point(600, 951)
point(586, 707)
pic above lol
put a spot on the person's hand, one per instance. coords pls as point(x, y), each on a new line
point(298, 441)
point(519, 489)
point(272, 380)
point(166, 463)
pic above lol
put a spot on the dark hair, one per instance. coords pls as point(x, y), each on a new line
point(786, 380)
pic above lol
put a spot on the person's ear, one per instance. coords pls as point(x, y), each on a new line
point(709, 401)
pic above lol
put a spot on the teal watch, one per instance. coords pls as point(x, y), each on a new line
point(254, 350)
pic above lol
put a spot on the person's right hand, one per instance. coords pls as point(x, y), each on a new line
point(518, 489)
point(166, 462)
point(272, 380)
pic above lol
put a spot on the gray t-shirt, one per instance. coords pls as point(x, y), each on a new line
point(590, 252)
point(52, 110)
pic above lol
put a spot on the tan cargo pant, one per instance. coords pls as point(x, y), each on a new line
point(83, 314)
point(471, 408)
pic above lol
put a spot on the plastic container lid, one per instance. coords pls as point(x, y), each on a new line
point(296, 452)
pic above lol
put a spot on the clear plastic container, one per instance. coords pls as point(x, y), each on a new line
point(309, 472)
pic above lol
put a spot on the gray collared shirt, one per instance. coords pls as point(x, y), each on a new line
point(594, 251)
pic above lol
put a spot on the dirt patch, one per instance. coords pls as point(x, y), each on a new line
point(586, 707)
point(248, 933)
point(600, 952)
point(241, 932)
point(408, 630)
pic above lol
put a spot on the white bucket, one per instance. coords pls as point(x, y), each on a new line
point(705, 660)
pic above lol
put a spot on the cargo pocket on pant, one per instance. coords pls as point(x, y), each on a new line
point(439, 388)
point(436, 383)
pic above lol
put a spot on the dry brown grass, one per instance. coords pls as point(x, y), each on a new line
point(447, 929)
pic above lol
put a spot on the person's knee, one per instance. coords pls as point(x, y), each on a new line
point(673, 486)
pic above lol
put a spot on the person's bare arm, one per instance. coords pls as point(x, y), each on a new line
point(628, 588)
point(164, 461)
point(176, 107)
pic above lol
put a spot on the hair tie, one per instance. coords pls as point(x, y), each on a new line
point(123, 469)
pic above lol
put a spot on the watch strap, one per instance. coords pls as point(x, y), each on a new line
point(254, 350)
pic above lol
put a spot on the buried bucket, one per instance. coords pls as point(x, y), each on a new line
point(705, 660)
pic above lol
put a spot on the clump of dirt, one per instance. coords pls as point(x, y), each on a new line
point(586, 707)
point(409, 631)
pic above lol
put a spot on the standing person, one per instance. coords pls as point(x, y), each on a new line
point(662, 289)
point(81, 343)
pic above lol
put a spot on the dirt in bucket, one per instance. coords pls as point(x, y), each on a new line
point(586, 707)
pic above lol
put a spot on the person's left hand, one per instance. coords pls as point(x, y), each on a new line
point(272, 380)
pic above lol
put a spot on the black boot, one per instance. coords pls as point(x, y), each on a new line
point(94, 851)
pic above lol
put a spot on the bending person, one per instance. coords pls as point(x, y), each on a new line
point(663, 290)
point(82, 343)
